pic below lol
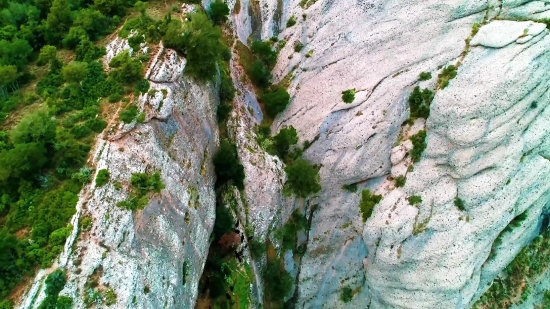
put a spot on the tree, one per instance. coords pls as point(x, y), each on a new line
point(367, 203)
point(219, 11)
point(102, 177)
point(141, 7)
point(286, 137)
point(8, 74)
point(37, 127)
point(47, 54)
point(75, 71)
point(275, 101)
point(264, 52)
point(227, 165)
point(127, 70)
point(202, 46)
point(92, 21)
point(302, 179)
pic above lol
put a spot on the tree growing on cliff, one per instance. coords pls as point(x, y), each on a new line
point(286, 137)
point(218, 11)
point(275, 101)
point(302, 179)
point(227, 165)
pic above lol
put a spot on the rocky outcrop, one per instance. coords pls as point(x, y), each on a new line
point(150, 258)
point(486, 144)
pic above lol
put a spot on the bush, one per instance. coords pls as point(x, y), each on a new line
point(259, 73)
point(218, 11)
point(275, 101)
point(298, 47)
point(419, 102)
point(264, 51)
point(367, 203)
point(348, 96)
point(277, 281)
point(142, 86)
point(286, 137)
point(288, 232)
point(129, 114)
point(419, 145)
point(346, 295)
point(459, 203)
point(350, 188)
point(227, 166)
point(84, 175)
point(414, 199)
point(302, 179)
point(291, 21)
point(400, 181)
point(142, 184)
point(425, 76)
point(102, 177)
point(445, 76)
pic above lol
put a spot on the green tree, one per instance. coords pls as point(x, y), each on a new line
point(102, 177)
point(286, 137)
point(37, 127)
point(259, 73)
point(302, 179)
point(275, 101)
point(227, 165)
point(141, 7)
point(8, 75)
point(75, 71)
point(47, 54)
point(264, 52)
point(127, 70)
point(219, 11)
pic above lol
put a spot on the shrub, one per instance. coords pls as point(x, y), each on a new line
point(346, 295)
point(227, 165)
point(218, 11)
point(302, 179)
point(350, 188)
point(129, 114)
point(288, 232)
point(348, 96)
point(275, 101)
point(414, 199)
point(419, 145)
point(367, 203)
point(142, 184)
point(425, 76)
point(115, 97)
point(419, 102)
point(445, 76)
point(84, 175)
point(259, 74)
point(142, 86)
point(286, 137)
point(264, 51)
point(277, 281)
point(298, 47)
point(459, 203)
point(102, 177)
point(400, 181)
point(291, 21)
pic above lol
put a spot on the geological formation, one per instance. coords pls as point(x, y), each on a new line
point(437, 241)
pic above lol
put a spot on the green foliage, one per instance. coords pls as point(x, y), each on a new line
point(367, 203)
point(419, 145)
point(126, 70)
point(350, 188)
point(459, 203)
point(218, 12)
point(286, 137)
point(288, 232)
point(129, 113)
point(47, 54)
point(445, 76)
point(400, 181)
point(414, 199)
point(419, 102)
point(259, 73)
point(302, 179)
point(264, 52)
point(275, 101)
point(75, 71)
point(84, 175)
point(227, 165)
point(425, 76)
point(102, 177)
point(298, 47)
point(346, 295)
point(224, 222)
point(142, 184)
point(142, 86)
point(277, 281)
point(54, 284)
point(291, 21)
point(227, 94)
point(348, 96)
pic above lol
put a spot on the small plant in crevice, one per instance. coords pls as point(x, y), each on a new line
point(414, 200)
point(298, 46)
point(302, 179)
point(425, 76)
point(419, 102)
point(102, 177)
point(288, 232)
point(346, 295)
point(350, 188)
point(445, 76)
point(459, 203)
point(400, 181)
point(419, 145)
point(129, 114)
point(348, 96)
point(367, 203)
point(291, 21)
point(142, 184)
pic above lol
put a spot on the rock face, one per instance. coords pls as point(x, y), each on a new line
point(151, 258)
point(487, 144)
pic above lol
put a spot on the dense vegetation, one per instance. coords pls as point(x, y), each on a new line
point(419, 145)
point(367, 203)
point(142, 184)
point(419, 102)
